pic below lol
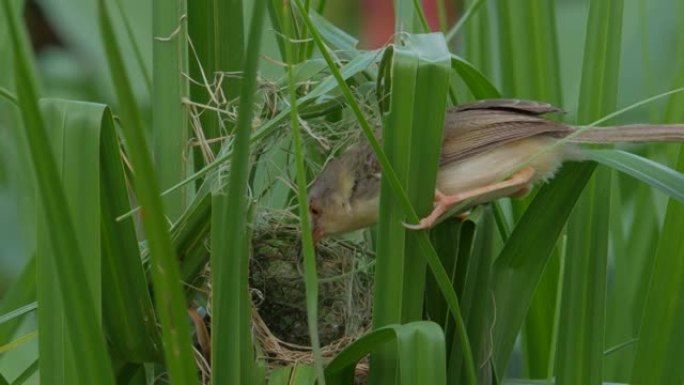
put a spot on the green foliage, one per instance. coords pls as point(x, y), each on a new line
point(215, 124)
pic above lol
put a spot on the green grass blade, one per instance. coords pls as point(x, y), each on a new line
point(26, 374)
point(8, 96)
point(660, 334)
point(598, 90)
point(135, 45)
point(518, 268)
point(230, 259)
point(580, 343)
point(189, 235)
point(582, 319)
point(537, 333)
point(16, 313)
point(170, 87)
point(63, 257)
point(335, 37)
point(231, 302)
point(21, 293)
point(473, 270)
point(478, 39)
point(477, 83)
point(170, 302)
point(665, 179)
point(202, 67)
point(229, 44)
point(310, 276)
point(127, 308)
point(469, 12)
point(528, 46)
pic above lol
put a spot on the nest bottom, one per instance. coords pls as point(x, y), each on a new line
point(277, 282)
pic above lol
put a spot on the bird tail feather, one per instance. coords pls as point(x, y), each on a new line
point(632, 133)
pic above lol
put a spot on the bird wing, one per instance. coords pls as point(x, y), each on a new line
point(473, 128)
point(528, 107)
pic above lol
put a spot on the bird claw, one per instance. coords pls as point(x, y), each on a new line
point(422, 225)
point(427, 223)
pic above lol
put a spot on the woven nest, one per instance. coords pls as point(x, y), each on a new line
point(345, 291)
point(279, 318)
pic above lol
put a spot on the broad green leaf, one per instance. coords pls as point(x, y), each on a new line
point(417, 75)
point(418, 348)
point(75, 139)
point(61, 260)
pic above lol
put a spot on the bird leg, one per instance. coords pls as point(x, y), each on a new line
point(517, 185)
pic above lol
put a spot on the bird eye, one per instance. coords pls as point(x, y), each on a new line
point(314, 209)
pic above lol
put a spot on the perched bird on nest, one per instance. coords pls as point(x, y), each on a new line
point(491, 149)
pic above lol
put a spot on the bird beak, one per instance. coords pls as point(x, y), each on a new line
point(317, 234)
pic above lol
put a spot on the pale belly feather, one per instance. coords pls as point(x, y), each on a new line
point(499, 164)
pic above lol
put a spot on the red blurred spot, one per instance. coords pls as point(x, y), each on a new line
point(377, 20)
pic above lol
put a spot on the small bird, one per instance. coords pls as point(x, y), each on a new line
point(491, 149)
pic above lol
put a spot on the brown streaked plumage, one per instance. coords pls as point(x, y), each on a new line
point(485, 142)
